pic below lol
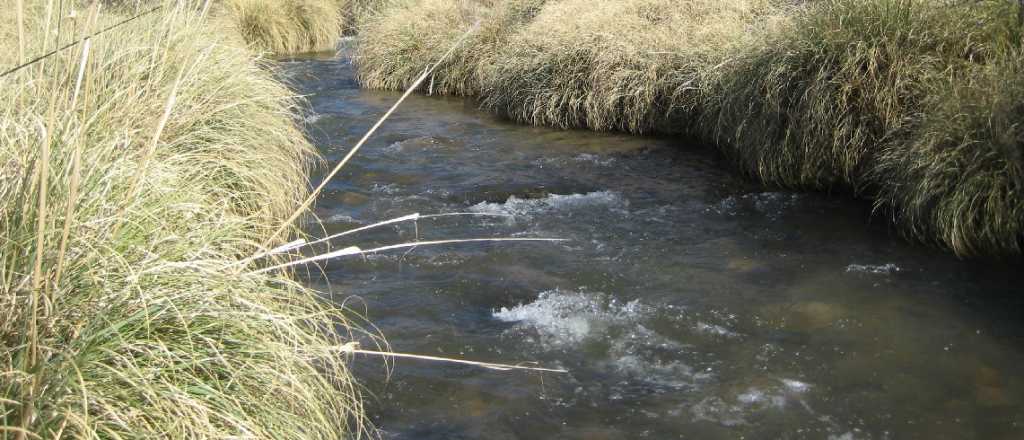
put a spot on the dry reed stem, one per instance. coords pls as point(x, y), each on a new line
point(355, 250)
point(316, 192)
point(353, 348)
point(76, 171)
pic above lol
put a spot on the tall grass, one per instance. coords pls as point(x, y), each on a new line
point(845, 79)
point(866, 95)
point(908, 103)
point(401, 41)
point(624, 65)
point(959, 181)
point(288, 26)
point(636, 65)
point(355, 12)
point(134, 171)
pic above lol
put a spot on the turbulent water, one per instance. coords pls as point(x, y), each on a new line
point(686, 303)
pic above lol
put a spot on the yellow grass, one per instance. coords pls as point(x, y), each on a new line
point(288, 26)
point(134, 172)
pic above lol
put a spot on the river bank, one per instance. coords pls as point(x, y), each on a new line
point(137, 170)
point(911, 105)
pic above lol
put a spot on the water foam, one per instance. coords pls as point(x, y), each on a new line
point(736, 411)
point(567, 320)
point(770, 204)
point(516, 206)
point(387, 189)
point(879, 269)
point(342, 218)
point(312, 118)
point(594, 159)
point(561, 318)
point(715, 330)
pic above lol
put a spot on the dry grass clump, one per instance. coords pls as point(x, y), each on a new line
point(132, 176)
point(631, 65)
point(288, 26)
point(815, 104)
point(355, 12)
point(959, 181)
point(634, 65)
point(883, 95)
point(407, 36)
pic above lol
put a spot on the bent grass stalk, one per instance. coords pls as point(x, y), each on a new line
point(355, 250)
point(353, 348)
point(76, 171)
point(316, 192)
point(300, 243)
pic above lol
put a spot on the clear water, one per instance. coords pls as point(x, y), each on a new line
point(688, 303)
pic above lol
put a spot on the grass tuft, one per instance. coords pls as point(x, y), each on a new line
point(858, 95)
point(126, 197)
point(960, 180)
point(355, 12)
point(636, 66)
point(406, 37)
point(288, 26)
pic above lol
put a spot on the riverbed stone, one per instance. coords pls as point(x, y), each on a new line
point(991, 396)
point(349, 198)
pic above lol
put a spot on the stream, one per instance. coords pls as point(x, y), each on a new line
point(687, 302)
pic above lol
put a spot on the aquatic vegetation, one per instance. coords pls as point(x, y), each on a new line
point(909, 104)
point(288, 26)
point(132, 179)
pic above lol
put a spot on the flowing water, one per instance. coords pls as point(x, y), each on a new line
point(687, 303)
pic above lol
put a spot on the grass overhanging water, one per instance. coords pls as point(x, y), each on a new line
point(914, 105)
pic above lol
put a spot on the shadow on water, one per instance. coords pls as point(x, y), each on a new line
point(689, 303)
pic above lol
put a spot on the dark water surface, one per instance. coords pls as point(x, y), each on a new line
point(689, 303)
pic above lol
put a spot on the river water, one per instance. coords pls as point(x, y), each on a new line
point(688, 302)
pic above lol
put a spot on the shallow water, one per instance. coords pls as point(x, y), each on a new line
point(687, 303)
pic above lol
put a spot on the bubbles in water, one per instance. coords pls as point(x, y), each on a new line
point(555, 202)
point(715, 330)
point(393, 148)
point(714, 409)
point(880, 269)
point(594, 159)
point(311, 118)
point(388, 189)
point(562, 318)
point(770, 204)
point(735, 411)
point(619, 341)
point(796, 386)
point(755, 396)
point(342, 218)
point(583, 158)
